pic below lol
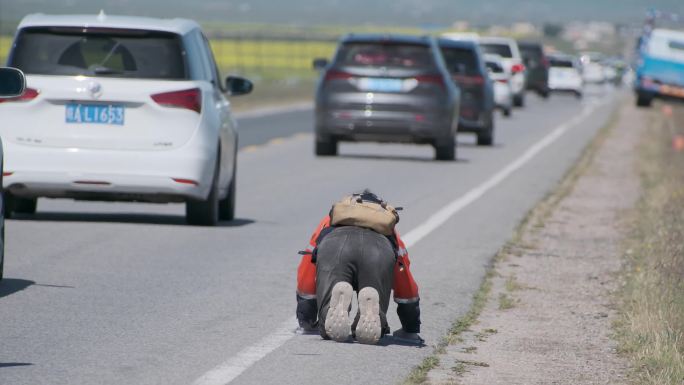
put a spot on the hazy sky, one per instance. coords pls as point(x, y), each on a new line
point(346, 12)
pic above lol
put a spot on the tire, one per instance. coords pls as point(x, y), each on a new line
point(2, 248)
point(205, 212)
point(24, 205)
point(544, 94)
point(507, 112)
point(486, 136)
point(446, 151)
point(519, 100)
point(15, 204)
point(227, 204)
point(326, 147)
point(643, 100)
point(2, 236)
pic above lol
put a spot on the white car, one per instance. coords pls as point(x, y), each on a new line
point(503, 93)
point(592, 69)
point(565, 75)
point(120, 108)
point(512, 61)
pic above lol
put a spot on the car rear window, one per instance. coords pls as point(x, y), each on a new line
point(461, 60)
point(494, 67)
point(100, 52)
point(531, 51)
point(497, 49)
point(562, 63)
point(385, 55)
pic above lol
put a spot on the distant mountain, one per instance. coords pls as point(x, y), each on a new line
point(355, 12)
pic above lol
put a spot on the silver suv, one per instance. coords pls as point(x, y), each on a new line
point(386, 89)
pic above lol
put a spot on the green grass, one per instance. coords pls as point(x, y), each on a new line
point(651, 327)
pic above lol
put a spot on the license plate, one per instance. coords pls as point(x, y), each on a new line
point(381, 84)
point(94, 113)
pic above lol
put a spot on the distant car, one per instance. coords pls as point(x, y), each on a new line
point(565, 74)
point(12, 85)
point(386, 88)
point(120, 108)
point(503, 94)
point(513, 63)
point(592, 69)
point(465, 63)
point(660, 67)
point(537, 65)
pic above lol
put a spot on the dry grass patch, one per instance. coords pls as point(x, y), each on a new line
point(651, 328)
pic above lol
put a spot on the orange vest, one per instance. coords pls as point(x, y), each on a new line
point(405, 288)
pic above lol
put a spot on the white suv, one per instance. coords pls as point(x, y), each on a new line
point(120, 108)
point(512, 61)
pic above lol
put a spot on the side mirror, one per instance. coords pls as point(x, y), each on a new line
point(236, 85)
point(12, 82)
point(319, 64)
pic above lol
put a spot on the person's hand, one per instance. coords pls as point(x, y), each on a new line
point(402, 335)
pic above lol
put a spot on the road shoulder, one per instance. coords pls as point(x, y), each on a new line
point(548, 316)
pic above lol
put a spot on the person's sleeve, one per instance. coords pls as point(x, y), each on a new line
point(406, 290)
point(306, 272)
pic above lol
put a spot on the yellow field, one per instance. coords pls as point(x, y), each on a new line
point(265, 54)
point(251, 55)
point(5, 43)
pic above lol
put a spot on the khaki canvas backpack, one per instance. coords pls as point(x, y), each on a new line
point(354, 211)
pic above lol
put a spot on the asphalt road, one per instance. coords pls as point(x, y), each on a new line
point(116, 293)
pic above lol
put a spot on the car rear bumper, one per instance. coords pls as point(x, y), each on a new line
point(155, 176)
point(384, 126)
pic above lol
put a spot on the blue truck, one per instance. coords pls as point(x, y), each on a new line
point(660, 66)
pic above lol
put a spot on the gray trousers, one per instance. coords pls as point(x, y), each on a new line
point(359, 256)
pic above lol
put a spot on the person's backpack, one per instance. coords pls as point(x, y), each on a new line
point(358, 210)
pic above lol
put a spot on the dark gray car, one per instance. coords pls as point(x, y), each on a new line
point(465, 63)
point(386, 88)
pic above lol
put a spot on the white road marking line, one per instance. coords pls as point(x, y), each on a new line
point(229, 370)
point(226, 372)
point(441, 216)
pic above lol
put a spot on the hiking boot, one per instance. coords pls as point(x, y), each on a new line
point(369, 328)
point(337, 324)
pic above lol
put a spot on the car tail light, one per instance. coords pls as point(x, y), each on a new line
point(7, 173)
point(504, 81)
point(430, 79)
point(185, 181)
point(517, 68)
point(190, 99)
point(29, 94)
point(337, 75)
point(469, 80)
point(545, 62)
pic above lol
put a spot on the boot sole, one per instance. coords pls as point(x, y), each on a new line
point(337, 323)
point(369, 329)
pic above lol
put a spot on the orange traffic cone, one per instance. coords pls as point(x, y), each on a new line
point(678, 142)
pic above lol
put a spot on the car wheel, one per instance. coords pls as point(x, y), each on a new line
point(13, 204)
point(2, 235)
point(544, 94)
point(227, 204)
point(486, 136)
point(643, 100)
point(24, 205)
point(205, 212)
point(326, 147)
point(446, 150)
point(507, 111)
point(519, 100)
